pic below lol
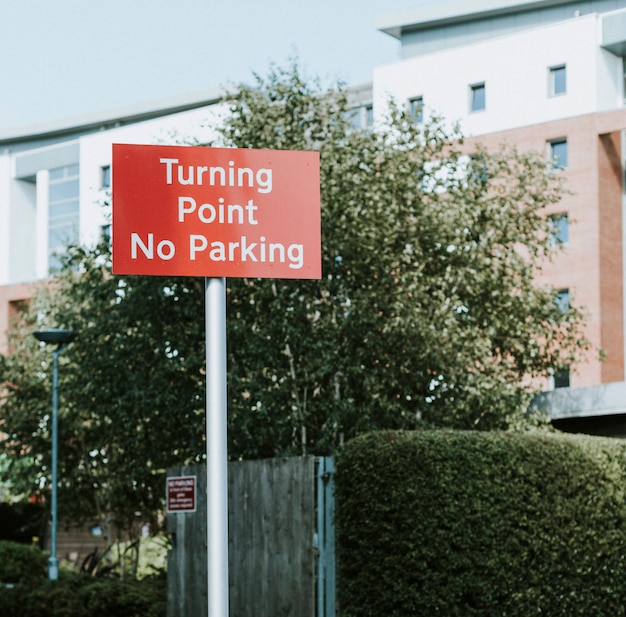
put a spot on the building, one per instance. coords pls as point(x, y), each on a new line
point(546, 75)
point(55, 184)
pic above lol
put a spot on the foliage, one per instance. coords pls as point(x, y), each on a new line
point(21, 563)
point(134, 560)
point(490, 524)
point(427, 309)
point(75, 595)
point(427, 314)
point(129, 404)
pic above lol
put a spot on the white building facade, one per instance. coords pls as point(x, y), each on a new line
point(55, 185)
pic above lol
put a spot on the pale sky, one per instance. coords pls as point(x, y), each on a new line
point(63, 58)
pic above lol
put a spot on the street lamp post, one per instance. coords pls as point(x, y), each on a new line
point(60, 338)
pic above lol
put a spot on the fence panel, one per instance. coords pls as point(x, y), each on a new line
point(272, 555)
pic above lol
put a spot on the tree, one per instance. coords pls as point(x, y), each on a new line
point(131, 389)
point(428, 310)
point(428, 313)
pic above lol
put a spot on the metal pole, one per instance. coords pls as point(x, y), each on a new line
point(53, 562)
point(216, 445)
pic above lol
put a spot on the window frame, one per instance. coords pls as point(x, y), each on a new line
point(416, 109)
point(558, 141)
point(562, 378)
point(105, 176)
point(473, 90)
point(560, 223)
point(553, 72)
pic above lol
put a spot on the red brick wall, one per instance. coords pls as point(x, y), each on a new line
point(590, 266)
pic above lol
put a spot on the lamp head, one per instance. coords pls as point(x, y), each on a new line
point(56, 336)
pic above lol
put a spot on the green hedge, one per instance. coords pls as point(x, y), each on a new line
point(491, 524)
point(21, 563)
point(26, 592)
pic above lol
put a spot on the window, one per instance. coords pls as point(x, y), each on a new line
point(560, 228)
point(562, 377)
point(105, 233)
point(477, 169)
point(63, 212)
point(477, 97)
point(360, 117)
point(106, 176)
point(562, 300)
point(558, 152)
point(416, 109)
point(558, 82)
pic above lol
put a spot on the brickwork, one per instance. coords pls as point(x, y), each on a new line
point(591, 265)
point(12, 299)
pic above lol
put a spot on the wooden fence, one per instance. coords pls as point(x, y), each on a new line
point(275, 512)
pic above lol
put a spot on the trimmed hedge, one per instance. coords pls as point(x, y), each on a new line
point(21, 563)
point(79, 595)
point(472, 523)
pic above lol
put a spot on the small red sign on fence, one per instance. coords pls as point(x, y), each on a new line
point(181, 494)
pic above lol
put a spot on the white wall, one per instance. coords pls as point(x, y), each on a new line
point(515, 71)
point(24, 203)
point(5, 165)
point(96, 152)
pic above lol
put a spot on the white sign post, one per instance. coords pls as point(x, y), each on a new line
point(216, 447)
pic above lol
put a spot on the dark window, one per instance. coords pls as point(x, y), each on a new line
point(560, 228)
point(558, 152)
point(561, 377)
point(478, 99)
point(106, 176)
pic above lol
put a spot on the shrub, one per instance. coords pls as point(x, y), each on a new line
point(490, 524)
point(73, 595)
point(21, 563)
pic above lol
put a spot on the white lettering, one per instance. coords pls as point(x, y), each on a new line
point(189, 178)
point(244, 250)
point(296, 256)
point(218, 252)
point(217, 176)
point(196, 243)
point(168, 168)
point(136, 242)
point(166, 250)
point(264, 180)
point(233, 214)
point(251, 208)
point(181, 207)
point(202, 213)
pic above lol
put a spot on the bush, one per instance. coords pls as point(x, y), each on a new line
point(77, 595)
point(490, 524)
point(21, 563)
point(74, 594)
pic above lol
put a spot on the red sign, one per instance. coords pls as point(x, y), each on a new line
point(181, 494)
point(216, 212)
